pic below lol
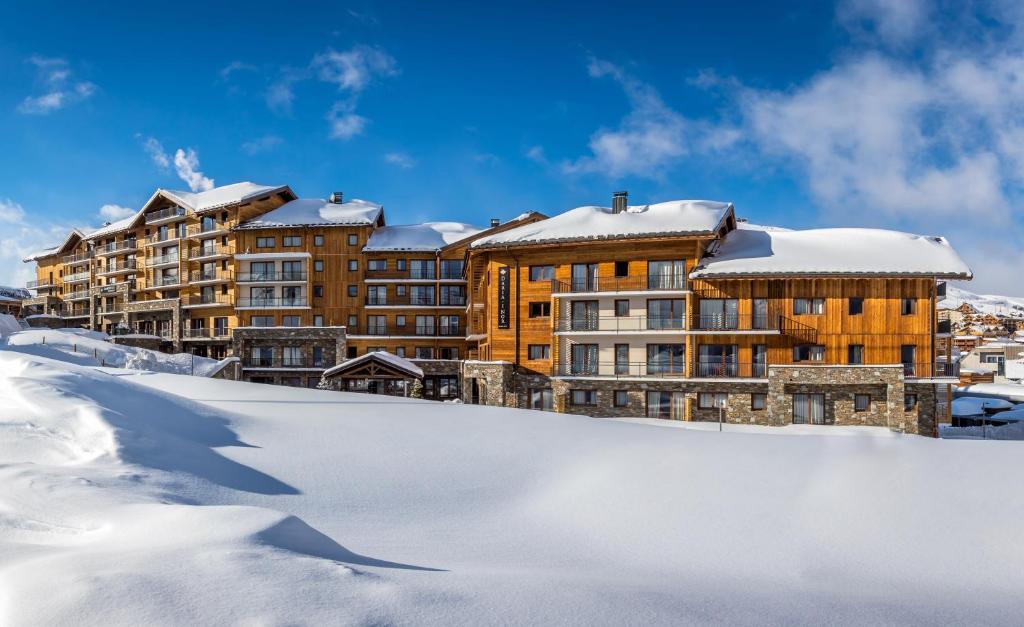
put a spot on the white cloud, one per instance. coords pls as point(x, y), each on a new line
point(112, 213)
point(261, 144)
point(20, 237)
point(343, 122)
point(235, 66)
point(186, 164)
point(156, 151)
point(55, 80)
point(400, 159)
point(353, 69)
point(281, 93)
point(894, 22)
point(536, 154)
point(649, 139)
point(11, 211)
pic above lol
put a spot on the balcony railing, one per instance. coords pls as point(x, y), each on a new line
point(165, 281)
point(273, 302)
point(163, 260)
point(77, 295)
point(930, 370)
point(116, 247)
point(162, 215)
point(78, 258)
point(404, 300)
point(207, 334)
point(375, 329)
point(40, 284)
point(420, 274)
point(128, 265)
point(109, 309)
point(77, 277)
point(161, 238)
point(620, 324)
point(643, 283)
point(199, 252)
point(193, 300)
point(272, 277)
point(729, 370)
point(735, 322)
point(75, 312)
point(198, 276)
point(198, 230)
point(658, 369)
point(283, 362)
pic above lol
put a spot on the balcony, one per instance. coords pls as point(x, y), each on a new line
point(272, 277)
point(116, 248)
point(729, 370)
point(78, 277)
point(124, 267)
point(284, 363)
point(736, 323)
point(620, 324)
point(644, 283)
point(41, 284)
point(622, 369)
point(929, 370)
point(165, 215)
point(216, 333)
point(75, 312)
point(76, 295)
point(375, 329)
point(78, 258)
point(201, 253)
point(162, 238)
point(411, 275)
point(163, 260)
point(209, 276)
point(166, 281)
point(207, 300)
point(406, 300)
point(106, 310)
point(273, 303)
point(207, 229)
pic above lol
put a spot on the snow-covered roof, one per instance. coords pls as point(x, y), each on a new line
point(401, 363)
point(675, 217)
point(40, 254)
point(13, 294)
point(429, 236)
point(976, 405)
point(114, 227)
point(318, 211)
point(753, 251)
point(218, 196)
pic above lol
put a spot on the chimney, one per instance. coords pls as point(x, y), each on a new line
point(495, 222)
point(619, 202)
point(336, 198)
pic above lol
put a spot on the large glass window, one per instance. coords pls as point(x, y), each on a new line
point(422, 269)
point(452, 268)
point(424, 325)
point(453, 295)
point(666, 275)
point(622, 359)
point(717, 360)
point(376, 294)
point(666, 358)
point(665, 313)
point(809, 409)
point(584, 315)
point(449, 325)
point(542, 273)
point(542, 399)
point(719, 313)
point(668, 405)
point(807, 306)
point(583, 359)
point(584, 277)
point(421, 295)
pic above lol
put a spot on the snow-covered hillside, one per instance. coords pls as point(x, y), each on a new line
point(984, 303)
point(135, 498)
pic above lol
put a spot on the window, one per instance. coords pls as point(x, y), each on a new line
point(353, 291)
point(265, 242)
point(400, 351)
point(424, 352)
point(539, 351)
point(758, 402)
point(622, 359)
point(262, 321)
point(666, 358)
point(621, 268)
point(353, 240)
point(421, 269)
point(318, 291)
point(424, 325)
point(449, 352)
point(856, 304)
point(401, 290)
point(908, 357)
point(861, 402)
point(400, 320)
point(583, 398)
point(421, 295)
point(312, 382)
point(452, 268)
point(712, 400)
point(291, 356)
point(583, 359)
point(261, 356)
point(666, 275)
point(667, 313)
point(318, 265)
point(667, 405)
point(809, 409)
point(291, 241)
point(541, 399)
point(292, 271)
point(584, 277)
point(808, 352)
point(318, 240)
point(350, 351)
point(376, 265)
point(621, 398)
point(291, 321)
point(376, 294)
point(855, 354)
point(621, 308)
point(540, 310)
point(807, 306)
point(400, 265)
point(717, 360)
point(908, 306)
point(909, 402)
point(318, 356)
point(453, 295)
point(318, 320)
point(353, 322)
point(542, 273)
point(584, 315)
point(376, 325)
point(449, 325)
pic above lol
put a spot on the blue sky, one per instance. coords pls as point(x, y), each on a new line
point(866, 112)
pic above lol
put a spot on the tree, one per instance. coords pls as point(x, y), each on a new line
point(417, 389)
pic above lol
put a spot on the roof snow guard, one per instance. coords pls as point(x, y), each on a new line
point(664, 219)
point(318, 212)
point(752, 251)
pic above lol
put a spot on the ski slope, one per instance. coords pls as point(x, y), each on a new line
point(133, 498)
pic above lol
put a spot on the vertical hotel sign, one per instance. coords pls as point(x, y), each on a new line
point(503, 287)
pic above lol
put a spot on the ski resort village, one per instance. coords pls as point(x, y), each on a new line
point(570, 314)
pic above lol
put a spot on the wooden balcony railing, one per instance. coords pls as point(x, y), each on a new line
point(632, 283)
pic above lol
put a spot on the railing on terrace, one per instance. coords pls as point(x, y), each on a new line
point(196, 230)
point(273, 302)
point(659, 369)
point(428, 273)
point(162, 260)
point(207, 299)
point(110, 268)
point(198, 252)
point(735, 322)
point(78, 258)
point(75, 312)
point(928, 370)
point(165, 214)
point(406, 299)
point(620, 324)
point(109, 309)
point(159, 238)
point(197, 276)
point(632, 283)
point(729, 370)
point(76, 277)
point(207, 334)
point(34, 285)
point(375, 329)
point(283, 362)
point(271, 277)
point(77, 295)
point(116, 247)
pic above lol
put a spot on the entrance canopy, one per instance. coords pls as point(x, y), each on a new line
point(375, 365)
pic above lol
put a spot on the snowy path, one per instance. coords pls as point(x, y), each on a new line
point(134, 498)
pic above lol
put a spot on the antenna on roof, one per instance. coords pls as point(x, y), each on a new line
point(619, 201)
point(336, 198)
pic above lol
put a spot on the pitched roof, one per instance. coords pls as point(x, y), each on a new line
point(217, 197)
point(756, 251)
point(429, 236)
point(394, 361)
point(318, 211)
point(672, 218)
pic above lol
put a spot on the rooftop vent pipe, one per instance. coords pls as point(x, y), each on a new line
point(336, 198)
point(619, 202)
point(495, 222)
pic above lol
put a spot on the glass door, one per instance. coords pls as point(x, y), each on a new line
point(717, 360)
point(719, 313)
point(583, 359)
point(584, 277)
point(584, 315)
